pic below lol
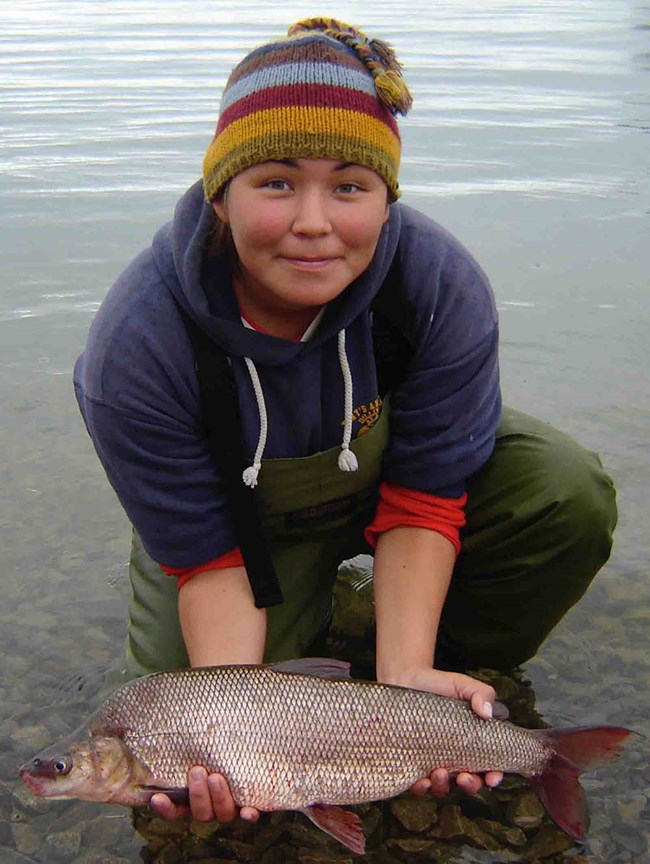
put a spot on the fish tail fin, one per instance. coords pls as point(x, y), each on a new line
point(344, 825)
point(575, 751)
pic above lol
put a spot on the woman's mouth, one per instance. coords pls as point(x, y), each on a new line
point(309, 264)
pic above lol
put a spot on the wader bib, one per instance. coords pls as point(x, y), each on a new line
point(540, 518)
point(313, 517)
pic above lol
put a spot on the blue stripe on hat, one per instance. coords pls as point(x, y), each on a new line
point(298, 73)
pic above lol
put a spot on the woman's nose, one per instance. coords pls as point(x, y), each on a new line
point(311, 215)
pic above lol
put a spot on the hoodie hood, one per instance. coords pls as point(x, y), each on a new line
point(204, 289)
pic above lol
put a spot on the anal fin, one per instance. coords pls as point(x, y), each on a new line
point(343, 825)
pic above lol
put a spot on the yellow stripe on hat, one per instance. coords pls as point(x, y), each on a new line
point(304, 120)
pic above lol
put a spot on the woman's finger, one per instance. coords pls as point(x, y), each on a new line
point(439, 782)
point(493, 778)
point(249, 814)
point(221, 798)
point(482, 700)
point(421, 787)
point(470, 783)
point(163, 806)
point(200, 801)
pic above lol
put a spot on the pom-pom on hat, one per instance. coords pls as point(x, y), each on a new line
point(325, 91)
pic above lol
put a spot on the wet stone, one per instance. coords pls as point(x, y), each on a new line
point(410, 846)
point(353, 611)
point(204, 829)
point(25, 839)
point(6, 803)
point(546, 842)
point(237, 849)
point(64, 844)
point(313, 856)
point(372, 822)
point(454, 826)
point(505, 834)
point(169, 855)
point(196, 848)
point(268, 835)
point(98, 856)
point(304, 835)
point(631, 840)
point(159, 827)
point(383, 855)
point(32, 738)
point(415, 814)
point(272, 855)
point(107, 832)
point(5, 833)
point(629, 811)
point(525, 811)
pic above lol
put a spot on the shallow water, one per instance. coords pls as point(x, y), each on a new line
point(528, 140)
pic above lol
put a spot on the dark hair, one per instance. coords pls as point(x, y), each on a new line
point(220, 240)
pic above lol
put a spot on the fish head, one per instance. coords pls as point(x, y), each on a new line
point(95, 768)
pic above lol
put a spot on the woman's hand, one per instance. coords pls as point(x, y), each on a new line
point(481, 699)
point(210, 799)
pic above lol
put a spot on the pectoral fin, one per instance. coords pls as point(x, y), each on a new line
point(343, 825)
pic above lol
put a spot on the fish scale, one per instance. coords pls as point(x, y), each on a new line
point(294, 739)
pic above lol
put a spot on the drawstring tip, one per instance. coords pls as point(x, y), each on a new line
point(347, 460)
point(250, 475)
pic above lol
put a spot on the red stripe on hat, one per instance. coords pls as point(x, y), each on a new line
point(308, 96)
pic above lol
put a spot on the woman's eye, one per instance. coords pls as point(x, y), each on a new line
point(349, 188)
point(278, 185)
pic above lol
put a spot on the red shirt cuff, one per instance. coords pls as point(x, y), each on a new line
point(399, 506)
point(184, 574)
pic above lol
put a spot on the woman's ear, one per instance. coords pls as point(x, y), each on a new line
point(219, 207)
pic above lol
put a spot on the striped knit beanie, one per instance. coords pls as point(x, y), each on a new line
point(325, 91)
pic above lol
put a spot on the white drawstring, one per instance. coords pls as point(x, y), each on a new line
point(251, 473)
point(347, 459)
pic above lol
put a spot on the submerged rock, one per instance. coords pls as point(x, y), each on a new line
point(505, 834)
point(525, 811)
point(415, 814)
point(454, 826)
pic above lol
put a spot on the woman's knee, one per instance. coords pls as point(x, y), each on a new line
point(583, 499)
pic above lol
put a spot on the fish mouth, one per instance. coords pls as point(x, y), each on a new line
point(34, 784)
point(39, 786)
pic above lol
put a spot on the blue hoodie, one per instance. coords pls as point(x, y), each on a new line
point(137, 389)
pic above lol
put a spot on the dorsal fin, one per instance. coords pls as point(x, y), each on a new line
point(322, 667)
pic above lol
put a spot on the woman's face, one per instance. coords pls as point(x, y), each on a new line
point(303, 229)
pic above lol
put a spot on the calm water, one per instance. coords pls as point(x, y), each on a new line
point(528, 139)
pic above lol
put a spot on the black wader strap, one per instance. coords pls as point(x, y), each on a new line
point(220, 412)
point(390, 324)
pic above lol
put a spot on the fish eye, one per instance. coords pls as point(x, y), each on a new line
point(62, 766)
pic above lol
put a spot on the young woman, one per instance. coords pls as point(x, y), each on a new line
point(486, 525)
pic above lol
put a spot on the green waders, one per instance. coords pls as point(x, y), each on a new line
point(540, 518)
